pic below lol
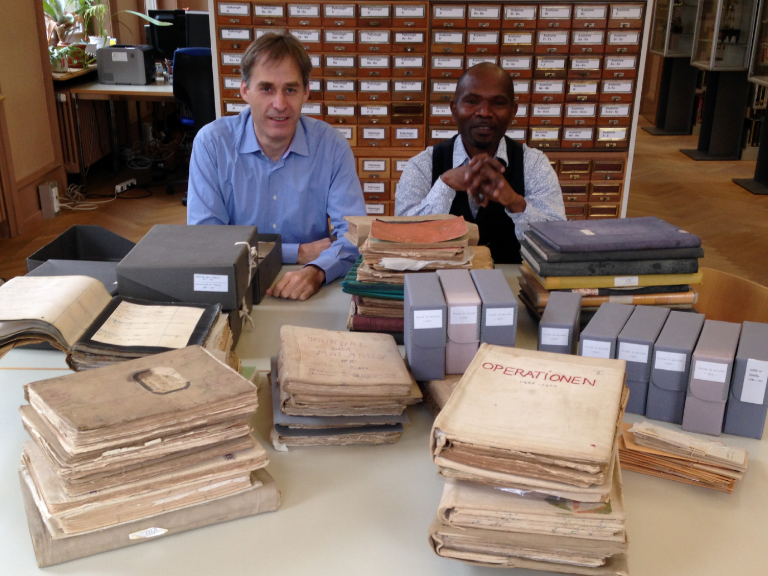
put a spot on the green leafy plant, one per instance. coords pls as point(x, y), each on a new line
point(71, 54)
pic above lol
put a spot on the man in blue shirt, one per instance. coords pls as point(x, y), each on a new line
point(272, 168)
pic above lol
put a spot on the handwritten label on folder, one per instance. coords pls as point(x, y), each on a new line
point(755, 380)
point(423, 319)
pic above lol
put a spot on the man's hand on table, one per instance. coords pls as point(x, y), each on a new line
point(299, 285)
point(310, 251)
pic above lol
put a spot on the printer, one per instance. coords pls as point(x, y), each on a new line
point(122, 64)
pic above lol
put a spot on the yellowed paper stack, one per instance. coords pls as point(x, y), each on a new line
point(657, 451)
point(529, 443)
point(437, 392)
point(340, 382)
point(138, 439)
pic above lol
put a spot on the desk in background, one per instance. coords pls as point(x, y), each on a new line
point(365, 510)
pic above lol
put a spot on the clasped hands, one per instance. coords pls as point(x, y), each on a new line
point(302, 284)
point(483, 178)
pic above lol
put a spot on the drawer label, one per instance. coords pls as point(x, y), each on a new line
point(582, 88)
point(623, 37)
point(374, 110)
point(374, 209)
point(553, 38)
point(440, 110)
point(338, 10)
point(555, 12)
point(340, 61)
point(374, 187)
point(410, 86)
point(375, 11)
point(315, 59)
point(374, 85)
point(577, 134)
point(590, 12)
point(378, 37)
point(615, 110)
point(235, 33)
point(550, 63)
point(400, 165)
point(443, 134)
point(410, 11)
point(409, 37)
point(236, 107)
point(345, 131)
point(338, 36)
point(626, 12)
point(374, 165)
point(234, 9)
point(585, 63)
point(519, 13)
point(522, 86)
point(620, 62)
point(588, 37)
point(611, 134)
point(516, 134)
point(545, 134)
point(340, 85)
point(407, 133)
point(268, 10)
point(374, 61)
point(409, 62)
point(230, 59)
point(548, 86)
point(374, 133)
point(444, 86)
point(315, 109)
point(518, 38)
point(231, 83)
point(341, 110)
point(516, 63)
point(475, 60)
point(456, 63)
point(547, 110)
point(449, 12)
point(617, 86)
point(522, 111)
point(580, 110)
point(483, 38)
point(490, 12)
point(304, 10)
point(449, 37)
point(307, 35)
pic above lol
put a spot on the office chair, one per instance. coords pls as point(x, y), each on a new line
point(193, 87)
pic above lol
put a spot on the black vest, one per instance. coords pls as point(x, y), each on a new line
point(497, 231)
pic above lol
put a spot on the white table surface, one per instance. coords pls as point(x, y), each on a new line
point(365, 510)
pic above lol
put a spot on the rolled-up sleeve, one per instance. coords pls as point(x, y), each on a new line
point(543, 196)
point(415, 194)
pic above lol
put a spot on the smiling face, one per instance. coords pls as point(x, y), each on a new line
point(275, 94)
point(482, 108)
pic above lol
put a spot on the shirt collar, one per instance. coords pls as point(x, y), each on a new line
point(460, 156)
point(249, 144)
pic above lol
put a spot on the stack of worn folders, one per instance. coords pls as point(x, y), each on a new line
point(147, 438)
point(657, 451)
point(393, 246)
point(628, 261)
point(437, 392)
point(337, 388)
point(522, 432)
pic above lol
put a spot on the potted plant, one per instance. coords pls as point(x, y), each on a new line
point(59, 59)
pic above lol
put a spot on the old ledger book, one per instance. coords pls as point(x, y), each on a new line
point(326, 373)
point(535, 421)
point(360, 226)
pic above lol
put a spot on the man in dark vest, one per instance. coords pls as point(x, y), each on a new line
point(481, 174)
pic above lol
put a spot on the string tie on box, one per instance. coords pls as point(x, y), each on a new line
point(253, 258)
point(245, 315)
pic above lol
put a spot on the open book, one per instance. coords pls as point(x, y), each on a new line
point(77, 315)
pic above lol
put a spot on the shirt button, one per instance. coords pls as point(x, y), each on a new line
point(274, 197)
point(274, 225)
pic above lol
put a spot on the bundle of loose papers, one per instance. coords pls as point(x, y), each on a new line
point(345, 387)
point(533, 421)
point(629, 261)
point(138, 439)
point(529, 444)
point(651, 449)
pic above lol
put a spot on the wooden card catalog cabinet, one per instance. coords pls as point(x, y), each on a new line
point(373, 136)
point(518, 66)
point(374, 90)
point(313, 110)
point(408, 90)
point(587, 41)
point(341, 90)
point(373, 168)
point(341, 114)
point(623, 42)
point(576, 210)
point(230, 87)
point(409, 15)
point(519, 16)
point(446, 66)
point(605, 191)
point(522, 90)
point(441, 114)
point(546, 115)
point(398, 166)
point(408, 137)
point(581, 114)
point(620, 67)
point(339, 41)
point(234, 38)
point(448, 42)
point(311, 39)
point(517, 42)
point(304, 15)
point(617, 91)
point(582, 91)
point(612, 137)
point(484, 42)
point(374, 66)
point(376, 41)
point(230, 62)
point(521, 117)
point(574, 169)
point(269, 14)
point(597, 211)
point(552, 42)
point(376, 190)
point(449, 16)
point(375, 15)
point(575, 191)
point(608, 169)
point(409, 66)
point(584, 67)
point(349, 133)
point(408, 113)
point(437, 134)
point(339, 15)
point(544, 137)
point(233, 13)
point(519, 134)
point(442, 90)
point(615, 114)
point(555, 16)
point(317, 65)
point(550, 67)
point(626, 16)
point(378, 209)
point(407, 41)
point(340, 65)
point(375, 114)
point(590, 16)
point(578, 137)
point(484, 16)
point(548, 91)
point(234, 107)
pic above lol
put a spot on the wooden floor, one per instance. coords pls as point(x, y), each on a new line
point(697, 196)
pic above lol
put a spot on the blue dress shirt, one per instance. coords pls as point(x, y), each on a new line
point(231, 181)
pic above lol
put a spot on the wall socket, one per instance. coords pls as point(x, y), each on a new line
point(49, 199)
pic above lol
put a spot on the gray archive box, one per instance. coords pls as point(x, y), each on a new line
point(709, 383)
point(498, 318)
point(671, 366)
point(599, 337)
point(559, 324)
point(425, 326)
point(201, 264)
point(748, 402)
point(635, 345)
